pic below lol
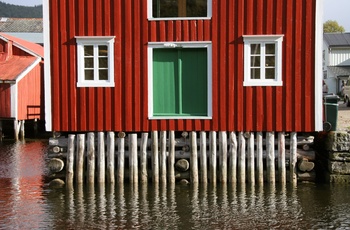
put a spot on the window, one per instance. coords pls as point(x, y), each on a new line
point(263, 60)
point(179, 9)
point(95, 61)
point(180, 80)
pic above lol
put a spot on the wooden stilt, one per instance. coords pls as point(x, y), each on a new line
point(212, 157)
point(110, 157)
point(90, 158)
point(155, 157)
point(121, 159)
point(251, 161)
point(22, 130)
point(203, 157)
point(79, 177)
point(281, 158)
point(16, 128)
point(1, 133)
point(241, 158)
point(162, 159)
point(232, 172)
point(223, 157)
point(171, 157)
point(270, 157)
point(101, 168)
point(293, 159)
point(133, 164)
point(143, 158)
point(194, 159)
point(259, 158)
point(70, 160)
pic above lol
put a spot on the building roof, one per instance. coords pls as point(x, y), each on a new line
point(27, 46)
point(21, 25)
point(337, 39)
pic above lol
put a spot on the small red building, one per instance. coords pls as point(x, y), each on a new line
point(221, 65)
point(21, 80)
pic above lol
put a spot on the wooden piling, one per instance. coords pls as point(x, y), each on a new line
point(281, 158)
point(155, 157)
point(194, 159)
point(203, 157)
point(121, 158)
point(70, 160)
point(101, 170)
point(133, 177)
point(270, 156)
point(110, 157)
point(212, 157)
point(143, 158)
point(171, 158)
point(293, 159)
point(232, 172)
point(79, 177)
point(223, 157)
point(90, 158)
point(250, 160)
point(241, 158)
point(162, 159)
point(259, 158)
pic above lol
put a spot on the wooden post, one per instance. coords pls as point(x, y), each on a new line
point(16, 127)
point(259, 158)
point(212, 156)
point(182, 8)
point(121, 158)
point(241, 158)
point(155, 157)
point(293, 159)
point(223, 157)
point(281, 158)
point(143, 157)
point(101, 175)
point(70, 160)
point(171, 157)
point(35, 127)
point(163, 157)
point(232, 173)
point(90, 158)
point(79, 178)
point(22, 135)
point(133, 158)
point(251, 162)
point(110, 157)
point(194, 158)
point(270, 157)
point(1, 133)
point(203, 157)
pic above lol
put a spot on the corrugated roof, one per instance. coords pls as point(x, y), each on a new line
point(337, 39)
point(24, 45)
point(21, 25)
point(12, 68)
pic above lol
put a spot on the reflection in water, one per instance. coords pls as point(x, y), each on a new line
point(26, 203)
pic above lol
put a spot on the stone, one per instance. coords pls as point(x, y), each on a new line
point(338, 141)
point(55, 165)
point(337, 167)
point(339, 156)
point(182, 165)
point(184, 182)
point(337, 179)
point(56, 183)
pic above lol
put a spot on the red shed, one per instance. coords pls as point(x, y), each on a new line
point(21, 78)
point(199, 65)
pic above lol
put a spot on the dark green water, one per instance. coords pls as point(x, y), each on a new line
point(27, 203)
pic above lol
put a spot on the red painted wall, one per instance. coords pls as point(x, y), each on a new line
point(235, 108)
point(5, 100)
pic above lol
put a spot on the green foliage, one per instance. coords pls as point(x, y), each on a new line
point(14, 11)
point(331, 26)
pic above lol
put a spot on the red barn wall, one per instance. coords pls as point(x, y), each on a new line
point(235, 108)
point(5, 100)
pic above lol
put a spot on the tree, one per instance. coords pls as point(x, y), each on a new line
point(331, 26)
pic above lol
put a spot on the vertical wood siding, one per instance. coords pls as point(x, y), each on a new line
point(5, 100)
point(235, 108)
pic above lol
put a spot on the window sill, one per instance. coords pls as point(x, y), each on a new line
point(263, 83)
point(180, 118)
point(179, 19)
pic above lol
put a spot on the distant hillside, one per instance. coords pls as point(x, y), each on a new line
point(15, 11)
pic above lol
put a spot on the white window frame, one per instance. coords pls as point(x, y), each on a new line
point(158, 45)
point(95, 41)
point(151, 18)
point(262, 39)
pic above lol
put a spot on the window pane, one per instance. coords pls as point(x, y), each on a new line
point(270, 61)
point(103, 62)
point(270, 48)
point(255, 49)
point(179, 8)
point(255, 73)
point(88, 51)
point(270, 73)
point(255, 61)
point(89, 74)
point(103, 51)
point(89, 63)
point(103, 74)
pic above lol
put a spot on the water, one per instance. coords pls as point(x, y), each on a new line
point(27, 203)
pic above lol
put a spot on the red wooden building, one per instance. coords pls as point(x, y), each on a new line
point(21, 81)
point(142, 65)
